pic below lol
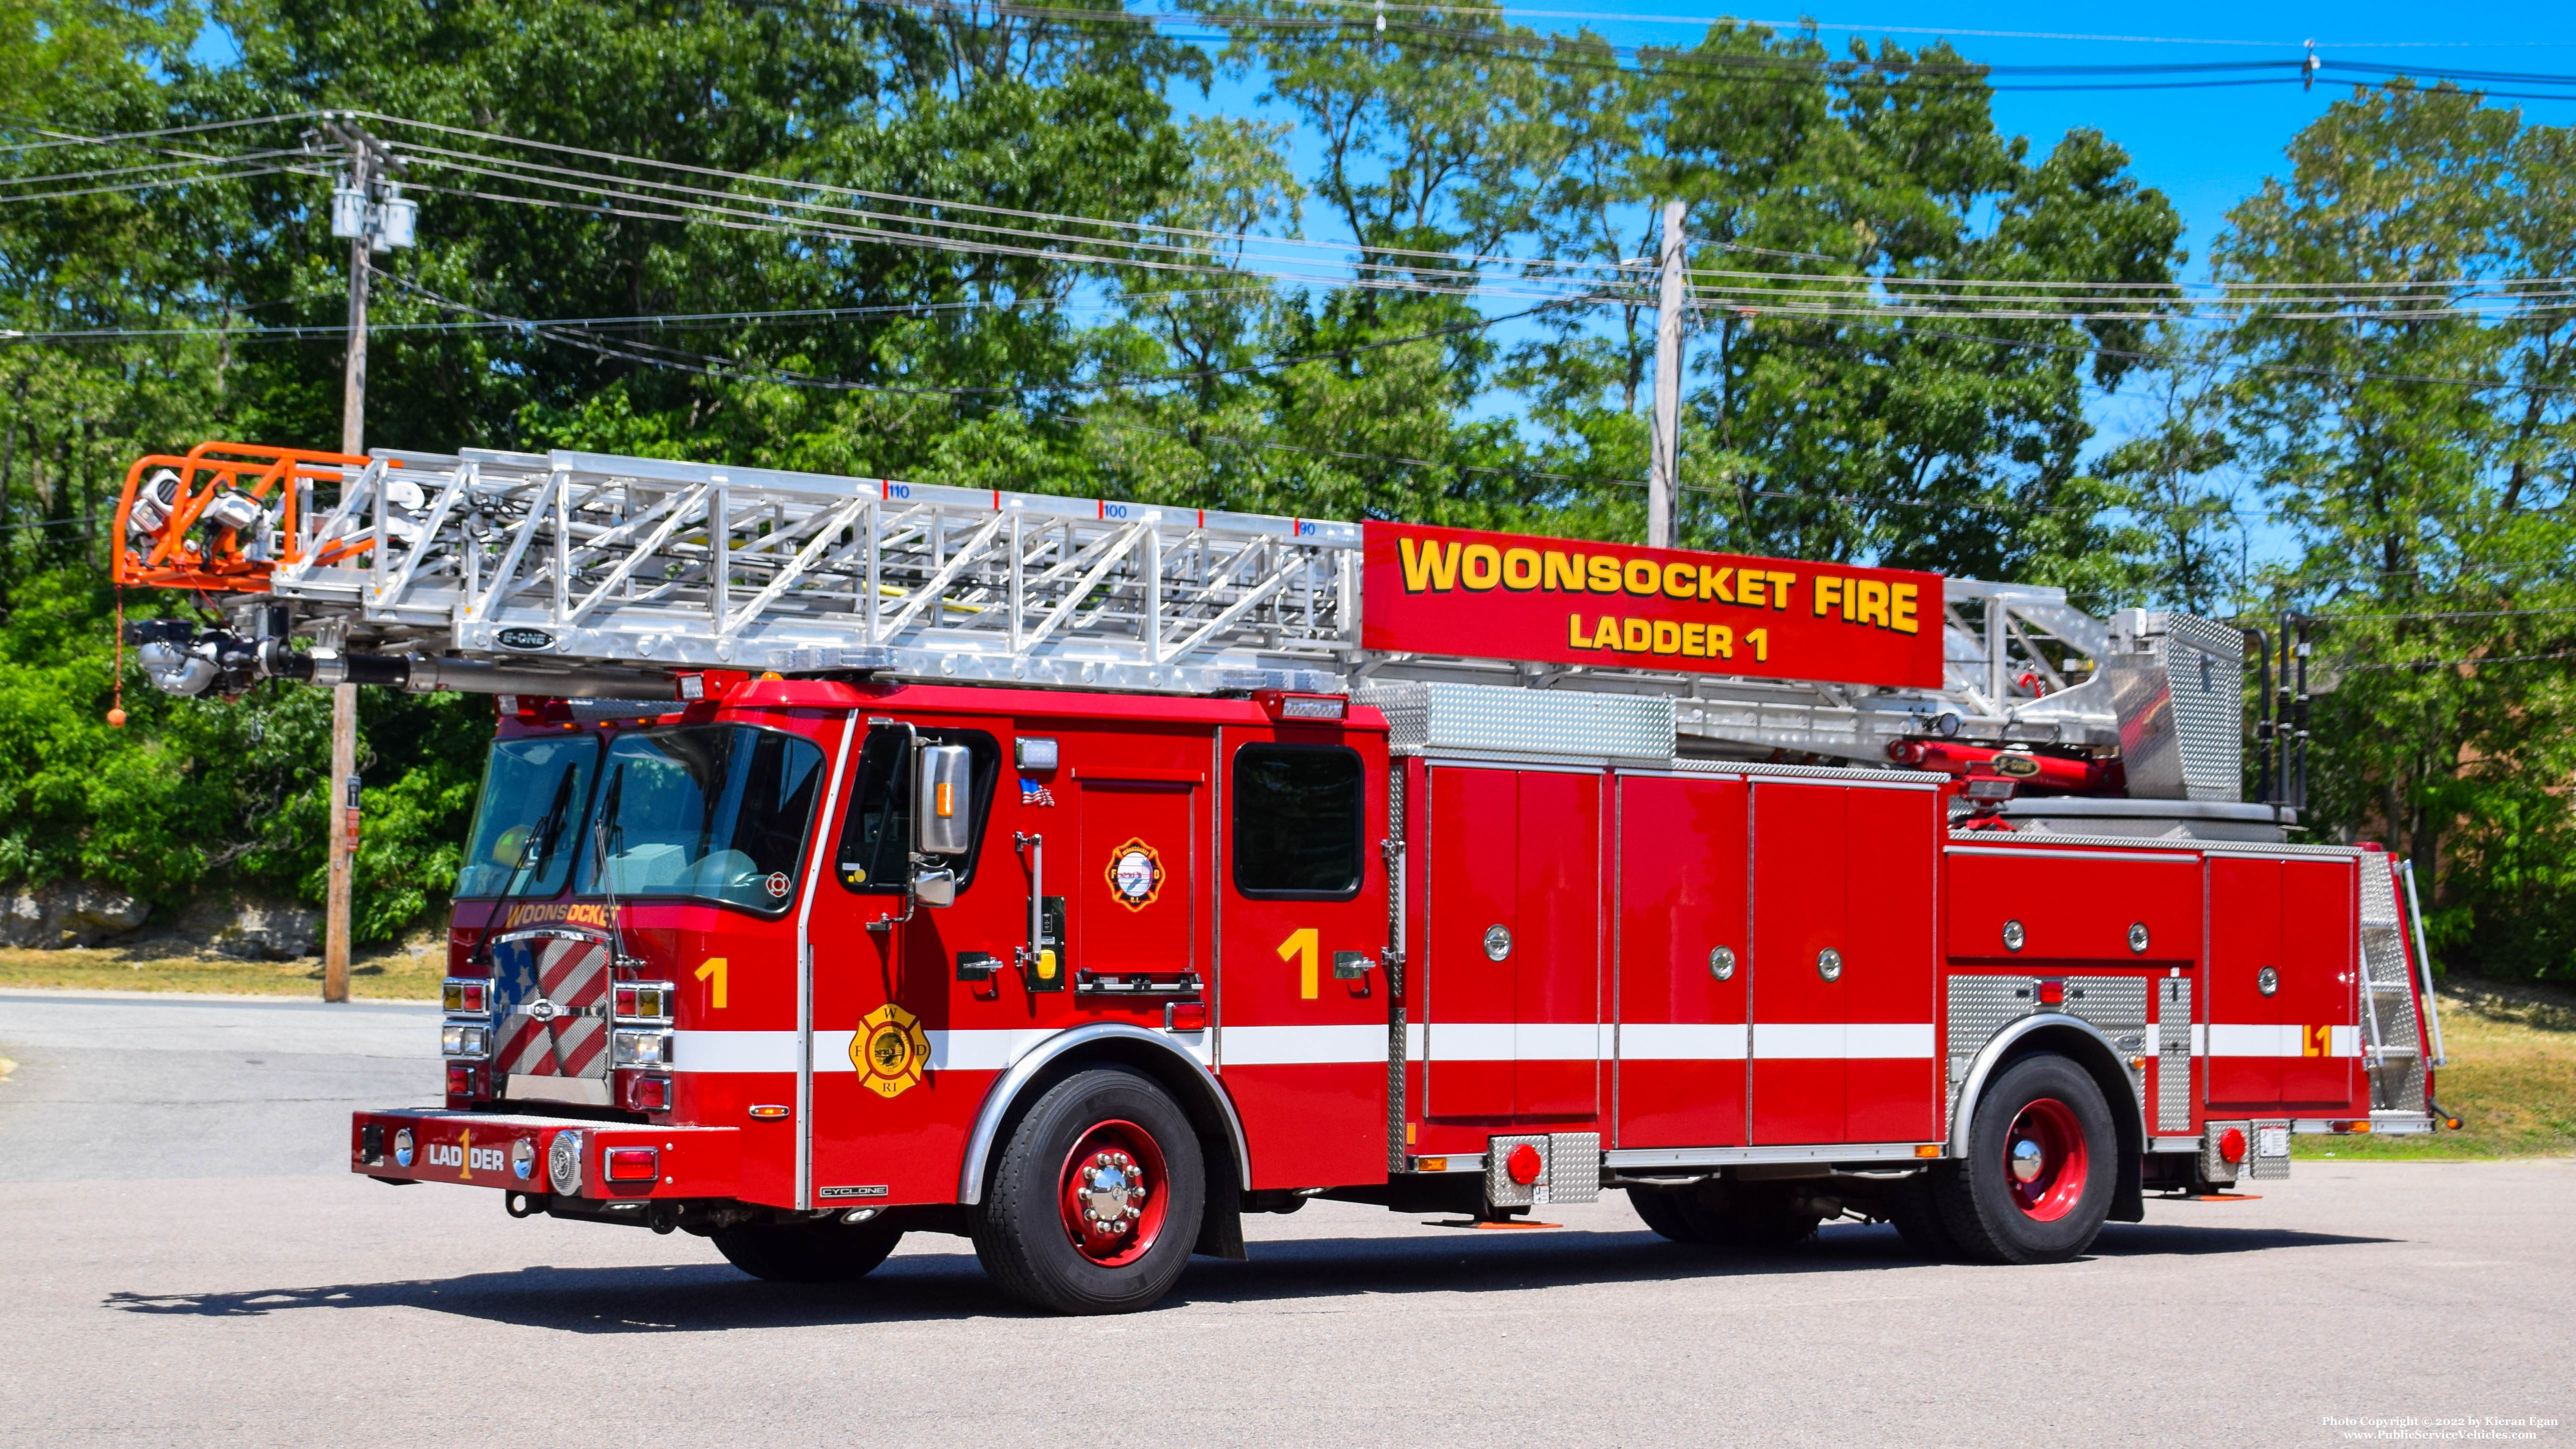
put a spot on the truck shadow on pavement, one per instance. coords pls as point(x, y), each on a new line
point(925, 1286)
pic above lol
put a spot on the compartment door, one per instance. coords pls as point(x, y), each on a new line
point(1132, 888)
point(1556, 956)
point(1799, 902)
point(1469, 998)
point(2243, 1036)
point(1682, 1029)
point(2319, 997)
point(1892, 842)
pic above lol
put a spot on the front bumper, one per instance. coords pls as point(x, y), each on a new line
point(517, 1153)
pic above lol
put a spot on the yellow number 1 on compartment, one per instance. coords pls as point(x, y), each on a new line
point(715, 968)
point(1301, 944)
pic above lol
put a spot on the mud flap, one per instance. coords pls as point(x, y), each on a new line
point(1221, 1222)
point(2128, 1196)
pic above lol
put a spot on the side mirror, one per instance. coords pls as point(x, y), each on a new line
point(941, 810)
point(935, 887)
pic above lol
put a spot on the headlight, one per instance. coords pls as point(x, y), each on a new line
point(634, 1048)
point(563, 1162)
point(465, 1039)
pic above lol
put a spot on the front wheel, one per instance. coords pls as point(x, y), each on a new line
point(2040, 1169)
point(1095, 1204)
point(807, 1252)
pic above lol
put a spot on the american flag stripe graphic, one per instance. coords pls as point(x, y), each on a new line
point(573, 974)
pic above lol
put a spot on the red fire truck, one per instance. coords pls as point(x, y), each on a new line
point(858, 858)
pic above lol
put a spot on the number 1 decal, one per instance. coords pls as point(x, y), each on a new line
point(1301, 944)
point(715, 968)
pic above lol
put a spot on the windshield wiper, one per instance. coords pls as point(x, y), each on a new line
point(537, 847)
point(605, 837)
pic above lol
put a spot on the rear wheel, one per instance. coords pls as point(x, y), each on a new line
point(1756, 1216)
point(807, 1252)
point(1097, 1198)
point(2040, 1169)
point(1915, 1207)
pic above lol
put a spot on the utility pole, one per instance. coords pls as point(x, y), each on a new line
point(1663, 464)
point(372, 223)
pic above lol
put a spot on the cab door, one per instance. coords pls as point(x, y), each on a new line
point(1302, 1037)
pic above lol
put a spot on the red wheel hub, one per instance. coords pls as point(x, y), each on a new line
point(1114, 1193)
point(2045, 1160)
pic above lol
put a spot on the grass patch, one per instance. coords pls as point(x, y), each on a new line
point(393, 974)
point(2511, 1081)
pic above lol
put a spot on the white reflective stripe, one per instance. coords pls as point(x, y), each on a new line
point(1834, 1041)
point(2199, 1040)
point(2152, 1043)
point(2343, 1041)
point(1270, 1046)
point(1506, 1041)
point(1673, 1041)
point(972, 1051)
point(1557, 1041)
point(1467, 1041)
point(1888, 1040)
point(2263, 1039)
point(1413, 1042)
point(734, 1051)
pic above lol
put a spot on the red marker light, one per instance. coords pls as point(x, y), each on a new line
point(1523, 1164)
point(2052, 993)
point(2231, 1145)
point(633, 1164)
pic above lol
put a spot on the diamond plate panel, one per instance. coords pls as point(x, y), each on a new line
point(2267, 1156)
point(2116, 1004)
point(1573, 1167)
point(2213, 1167)
point(1427, 718)
point(2205, 665)
point(2173, 1055)
point(1500, 1190)
point(1980, 1006)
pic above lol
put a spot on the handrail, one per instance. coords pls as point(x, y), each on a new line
point(257, 470)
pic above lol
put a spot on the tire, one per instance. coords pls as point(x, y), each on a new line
point(1063, 1227)
point(1749, 1217)
point(1670, 1213)
point(2046, 1110)
point(1915, 1208)
point(807, 1252)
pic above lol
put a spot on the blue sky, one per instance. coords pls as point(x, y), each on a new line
point(2204, 149)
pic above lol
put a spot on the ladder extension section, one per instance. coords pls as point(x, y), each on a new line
point(584, 558)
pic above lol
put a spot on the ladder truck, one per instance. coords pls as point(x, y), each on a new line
point(858, 857)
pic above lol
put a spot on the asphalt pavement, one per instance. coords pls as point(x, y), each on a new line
point(186, 1263)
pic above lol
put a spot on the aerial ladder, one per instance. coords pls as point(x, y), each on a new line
point(575, 574)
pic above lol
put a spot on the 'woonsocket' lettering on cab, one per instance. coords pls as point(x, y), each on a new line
point(1502, 595)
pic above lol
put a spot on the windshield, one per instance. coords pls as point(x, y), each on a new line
point(717, 812)
point(534, 791)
